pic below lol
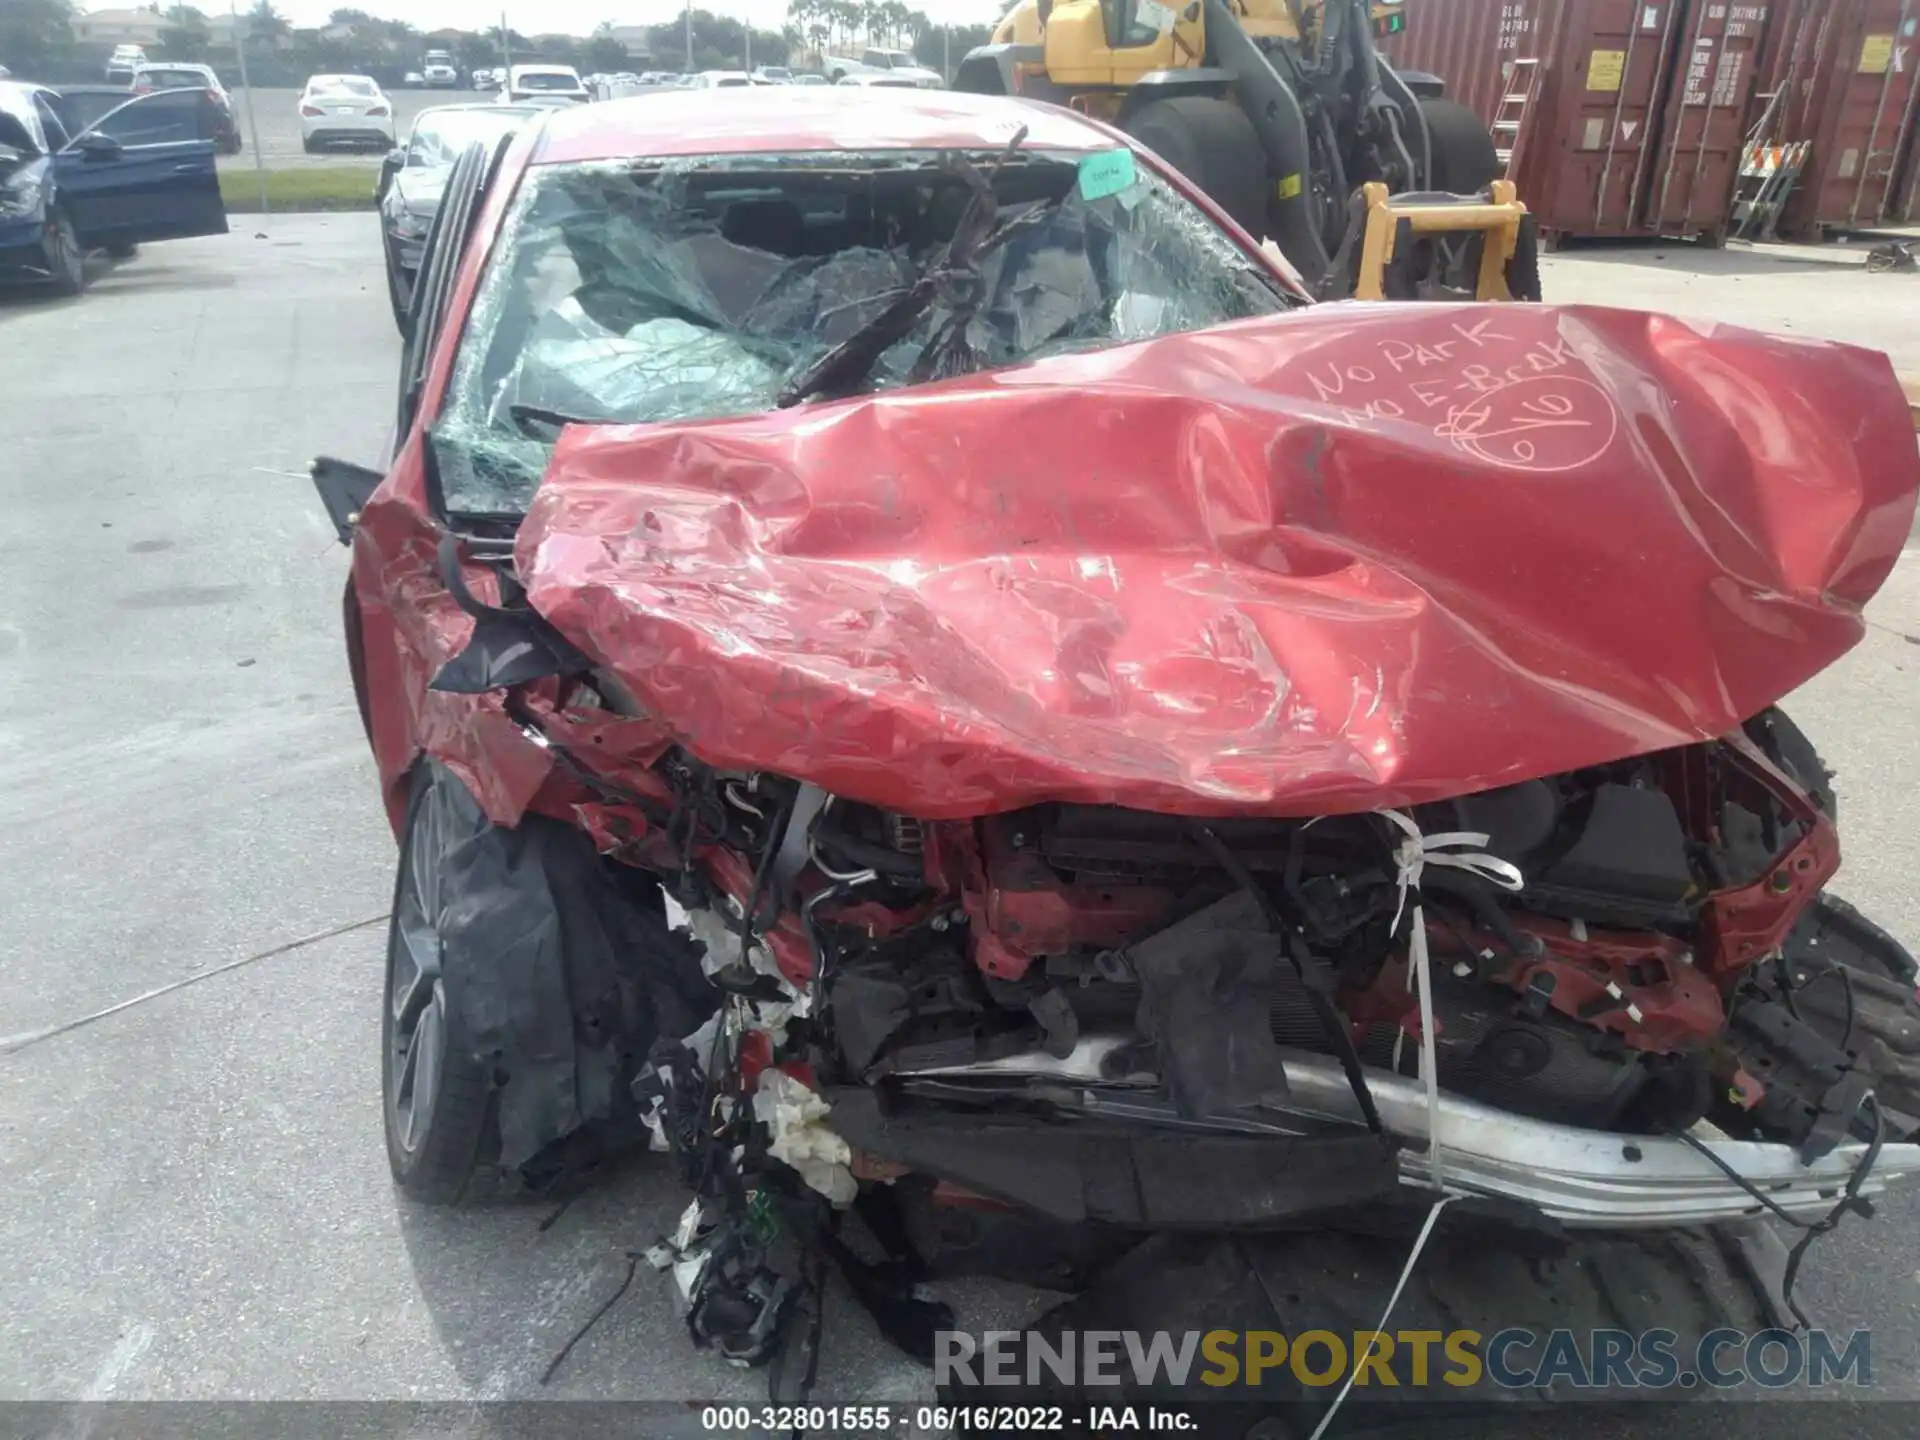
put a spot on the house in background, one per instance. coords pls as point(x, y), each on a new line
point(119, 27)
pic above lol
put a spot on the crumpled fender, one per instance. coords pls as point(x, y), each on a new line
point(1355, 556)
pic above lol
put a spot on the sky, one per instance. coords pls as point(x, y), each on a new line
point(580, 17)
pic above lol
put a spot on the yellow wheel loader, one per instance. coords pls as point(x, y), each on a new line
point(1369, 180)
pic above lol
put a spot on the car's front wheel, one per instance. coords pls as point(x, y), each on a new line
point(438, 1096)
point(66, 257)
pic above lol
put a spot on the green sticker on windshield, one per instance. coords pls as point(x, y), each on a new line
point(1107, 173)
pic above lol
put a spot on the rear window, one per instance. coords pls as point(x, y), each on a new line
point(167, 79)
point(547, 80)
point(343, 85)
point(624, 292)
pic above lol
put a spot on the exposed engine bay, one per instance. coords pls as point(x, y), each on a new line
point(1103, 1014)
point(1636, 983)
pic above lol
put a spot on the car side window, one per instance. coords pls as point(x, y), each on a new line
point(158, 119)
point(51, 122)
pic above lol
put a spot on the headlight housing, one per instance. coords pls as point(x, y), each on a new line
point(411, 224)
point(22, 198)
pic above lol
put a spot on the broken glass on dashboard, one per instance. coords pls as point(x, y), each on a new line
point(638, 293)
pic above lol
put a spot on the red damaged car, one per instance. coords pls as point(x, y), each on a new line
point(907, 660)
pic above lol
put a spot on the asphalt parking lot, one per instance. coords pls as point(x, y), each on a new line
point(196, 1203)
point(276, 115)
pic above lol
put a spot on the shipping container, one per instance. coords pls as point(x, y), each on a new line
point(1470, 44)
point(1641, 107)
point(1703, 122)
point(1848, 76)
point(1906, 208)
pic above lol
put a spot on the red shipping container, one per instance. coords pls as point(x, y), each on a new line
point(1641, 106)
point(1703, 122)
point(1471, 44)
point(1849, 76)
point(1906, 209)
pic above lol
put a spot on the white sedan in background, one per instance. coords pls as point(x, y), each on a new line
point(345, 110)
point(543, 84)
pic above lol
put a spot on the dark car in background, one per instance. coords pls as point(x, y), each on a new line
point(221, 126)
point(74, 179)
point(414, 176)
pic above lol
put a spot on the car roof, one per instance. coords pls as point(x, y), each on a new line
point(775, 118)
point(340, 75)
point(544, 70)
point(485, 107)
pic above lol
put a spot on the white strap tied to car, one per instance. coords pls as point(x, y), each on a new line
point(1457, 850)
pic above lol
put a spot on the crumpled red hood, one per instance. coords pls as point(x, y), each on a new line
point(1361, 555)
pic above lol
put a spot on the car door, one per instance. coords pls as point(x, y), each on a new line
point(141, 172)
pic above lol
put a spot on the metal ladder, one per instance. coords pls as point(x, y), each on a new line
point(1515, 107)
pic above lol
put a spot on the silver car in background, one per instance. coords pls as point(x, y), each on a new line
point(414, 176)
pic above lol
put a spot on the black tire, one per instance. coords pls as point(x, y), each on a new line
point(1214, 144)
point(309, 147)
point(1464, 161)
point(124, 250)
point(66, 257)
point(438, 1108)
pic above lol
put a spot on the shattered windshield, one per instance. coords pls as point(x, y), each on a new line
point(624, 292)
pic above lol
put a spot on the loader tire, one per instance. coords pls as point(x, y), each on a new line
point(1463, 158)
point(1212, 143)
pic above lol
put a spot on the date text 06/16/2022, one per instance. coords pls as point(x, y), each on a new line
point(945, 1419)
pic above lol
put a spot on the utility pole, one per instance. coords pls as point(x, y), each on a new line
point(253, 126)
point(946, 53)
point(688, 67)
point(749, 28)
point(506, 51)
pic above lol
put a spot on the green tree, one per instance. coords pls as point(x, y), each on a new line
point(603, 53)
point(185, 36)
point(475, 52)
point(34, 32)
point(265, 21)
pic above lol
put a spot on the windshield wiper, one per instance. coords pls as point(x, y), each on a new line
point(956, 278)
point(529, 416)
